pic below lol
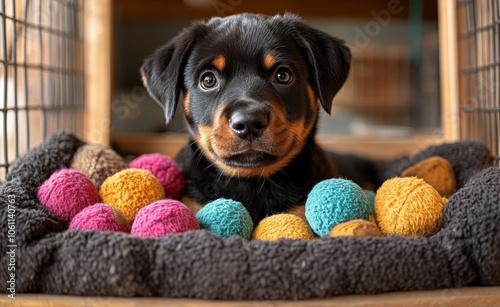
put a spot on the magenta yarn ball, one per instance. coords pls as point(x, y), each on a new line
point(66, 193)
point(166, 216)
point(165, 169)
point(100, 217)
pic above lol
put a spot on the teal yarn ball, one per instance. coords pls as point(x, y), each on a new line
point(334, 201)
point(371, 200)
point(225, 218)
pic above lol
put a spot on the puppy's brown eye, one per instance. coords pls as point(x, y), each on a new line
point(208, 80)
point(283, 76)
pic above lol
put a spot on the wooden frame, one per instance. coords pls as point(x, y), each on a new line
point(472, 296)
point(448, 55)
point(98, 31)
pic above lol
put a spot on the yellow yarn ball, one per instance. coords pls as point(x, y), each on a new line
point(356, 228)
point(129, 190)
point(284, 225)
point(409, 207)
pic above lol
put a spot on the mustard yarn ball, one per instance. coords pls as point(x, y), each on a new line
point(409, 207)
point(284, 225)
point(129, 190)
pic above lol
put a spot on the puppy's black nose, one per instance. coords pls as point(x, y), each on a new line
point(248, 124)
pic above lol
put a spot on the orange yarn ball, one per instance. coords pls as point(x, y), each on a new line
point(130, 190)
point(409, 207)
point(356, 228)
point(284, 225)
point(437, 172)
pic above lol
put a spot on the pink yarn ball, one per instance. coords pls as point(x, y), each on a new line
point(165, 169)
point(99, 217)
point(163, 217)
point(66, 193)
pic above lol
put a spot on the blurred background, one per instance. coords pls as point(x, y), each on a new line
point(423, 71)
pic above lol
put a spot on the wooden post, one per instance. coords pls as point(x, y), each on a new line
point(98, 74)
point(448, 59)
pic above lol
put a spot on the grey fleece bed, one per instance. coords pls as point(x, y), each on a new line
point(50, 259)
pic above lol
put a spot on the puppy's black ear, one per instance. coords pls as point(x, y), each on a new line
point(330, 61)
point(162, 72)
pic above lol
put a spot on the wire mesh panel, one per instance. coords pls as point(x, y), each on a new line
point(479, 54)
point(41, 73)
point(381, 99)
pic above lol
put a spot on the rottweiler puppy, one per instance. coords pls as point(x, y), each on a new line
point(251, 88)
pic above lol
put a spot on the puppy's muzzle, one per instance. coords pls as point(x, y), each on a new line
point(248, 123)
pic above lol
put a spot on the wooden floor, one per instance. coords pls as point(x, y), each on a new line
point(474, 296)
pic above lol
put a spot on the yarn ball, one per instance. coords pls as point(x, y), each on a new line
point(370, 195)
point(408, 206)
point(66, 192)
point(356, 228)
point(129, 190)
point(99, 217)
point(225, 218)
point(437, 172)
point(165, 169)
point(166, 216)
point(334, 201)
point(284, 225)
point(97, 162)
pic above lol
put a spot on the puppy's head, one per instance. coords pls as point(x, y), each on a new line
point(249, 86)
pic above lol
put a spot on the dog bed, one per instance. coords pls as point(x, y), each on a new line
point(51, 259)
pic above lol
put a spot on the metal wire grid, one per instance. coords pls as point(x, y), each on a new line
point(378, 86)
point(479, 54)
point(41, 73)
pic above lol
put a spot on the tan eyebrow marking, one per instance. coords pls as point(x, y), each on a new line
point(269, 61)
point(219, 62)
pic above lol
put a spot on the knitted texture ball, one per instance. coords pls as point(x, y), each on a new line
point(99, 217)
point(282, 225)
point(129, 190)
point(166, 216)
point(408, 206)
point(225, 218)
point(334, 201)
point(97, 162)
point(356, 228)
point(437, 172)
point(165, 169)
point(370, 195)
point(66, 193)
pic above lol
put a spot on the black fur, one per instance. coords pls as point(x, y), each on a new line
point(314, 57)
point(163, 71)
point(261, 196)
